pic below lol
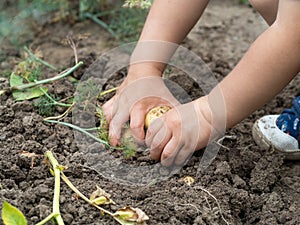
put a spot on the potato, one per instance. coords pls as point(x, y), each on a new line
point(155, 113)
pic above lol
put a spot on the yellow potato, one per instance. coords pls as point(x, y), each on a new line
point(155, 113)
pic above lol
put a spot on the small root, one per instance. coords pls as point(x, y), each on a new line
point(217, 202)
point(231, 137)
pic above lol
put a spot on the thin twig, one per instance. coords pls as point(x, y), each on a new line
point(108, 91)
point(231, 137)
point(74, 47)
point(39, 59)
point(62, 115)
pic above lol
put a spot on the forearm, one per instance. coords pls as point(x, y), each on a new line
point(268, 66)
point(167, 22)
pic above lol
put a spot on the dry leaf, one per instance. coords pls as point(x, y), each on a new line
point(100, 197)
point(131, 214)
point(29, 155)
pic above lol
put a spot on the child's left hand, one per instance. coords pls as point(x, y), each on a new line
point(174, 137)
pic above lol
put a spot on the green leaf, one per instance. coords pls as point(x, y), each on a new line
point(12, 216)
point(29, 93)
point(15, 80)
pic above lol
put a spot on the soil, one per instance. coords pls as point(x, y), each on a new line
point(251, 185)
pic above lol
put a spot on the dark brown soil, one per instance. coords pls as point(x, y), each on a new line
point(252, 186)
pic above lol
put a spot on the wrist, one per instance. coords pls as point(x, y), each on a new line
point(145, 69)
point(211, 126)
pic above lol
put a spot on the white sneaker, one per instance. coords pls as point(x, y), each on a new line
point(267, 135)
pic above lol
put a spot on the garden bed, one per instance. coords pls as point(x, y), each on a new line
point(243, 185)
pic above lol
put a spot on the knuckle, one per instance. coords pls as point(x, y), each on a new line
point(174, 122)
point(156, 143)
point(135, 125)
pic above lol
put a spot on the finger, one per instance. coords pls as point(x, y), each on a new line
point(160, 140)
point(170, 151)
point(137, 118)
point(108, 110)
point(183, 155)
point(115, 128)
point(152, 130)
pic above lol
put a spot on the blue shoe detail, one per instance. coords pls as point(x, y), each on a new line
point(289, 120)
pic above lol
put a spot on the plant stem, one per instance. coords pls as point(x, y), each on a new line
point(101, 23)
point(54, 102)
point(79, 129)
point(62, 115)
point(57, 171)
point(91, 129)
point(58, 77)
point(40, 60)
point(108, 91)
point(85, 132)
point(52, 215)
point(57, 175)
point(69, 183)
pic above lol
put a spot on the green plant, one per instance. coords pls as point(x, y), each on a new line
point(128, 145)
point(24, 83)
point(45, 106)
point(127, 23)
point(244, 2)
point(144, 4)
point(123, 23)
point(15, 20)
point(26, 71)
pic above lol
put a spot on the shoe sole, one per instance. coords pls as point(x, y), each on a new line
point(263, 142)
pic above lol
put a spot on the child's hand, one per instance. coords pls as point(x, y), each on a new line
point(173, 137)
point(134, 99)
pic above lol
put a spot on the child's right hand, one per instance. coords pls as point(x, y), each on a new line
point(135, 97)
